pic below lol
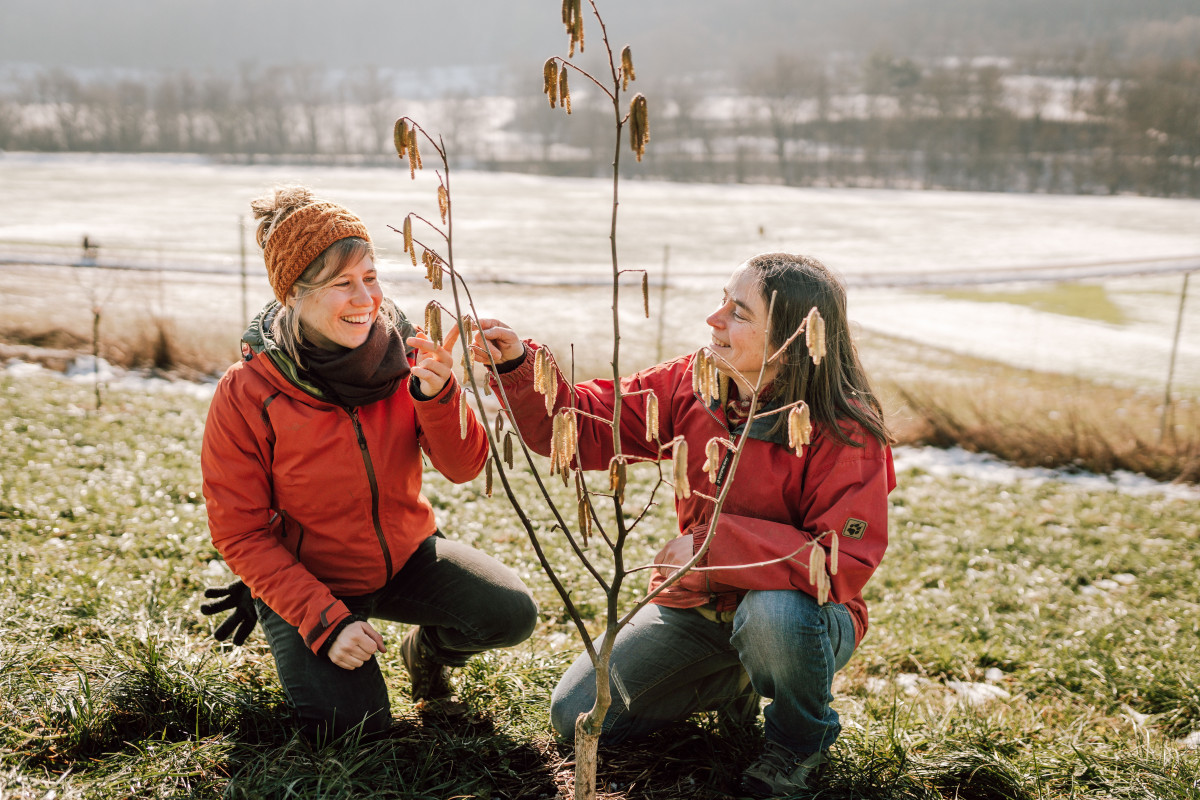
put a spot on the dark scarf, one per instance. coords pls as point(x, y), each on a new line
point(737, 410)
point(369, 372)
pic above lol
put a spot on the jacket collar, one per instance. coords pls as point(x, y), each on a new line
point(760, 427)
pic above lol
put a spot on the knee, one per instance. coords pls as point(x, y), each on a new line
point(575, 694)
point(566, 710)
point(517, 619)
point(563, 714)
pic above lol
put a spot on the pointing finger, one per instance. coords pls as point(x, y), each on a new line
point(450, 338)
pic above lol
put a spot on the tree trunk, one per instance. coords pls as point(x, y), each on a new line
point(586, 749)
point(588, 727)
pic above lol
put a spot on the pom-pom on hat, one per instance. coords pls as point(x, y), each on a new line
point(295, 229)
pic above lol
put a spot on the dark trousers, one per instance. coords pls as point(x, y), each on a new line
point(466, 602)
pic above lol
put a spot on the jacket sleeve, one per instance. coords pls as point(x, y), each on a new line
point(457, 457)
point(235, 460)
point(596, 398)
point(846, 492)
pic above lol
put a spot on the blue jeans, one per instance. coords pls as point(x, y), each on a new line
point(673, 662)
point(466, 602)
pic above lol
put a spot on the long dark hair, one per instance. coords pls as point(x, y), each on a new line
point(837, 390)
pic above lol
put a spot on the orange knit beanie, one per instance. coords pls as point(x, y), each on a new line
point(303, 236)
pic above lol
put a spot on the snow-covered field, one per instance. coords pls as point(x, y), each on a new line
point(185, 212)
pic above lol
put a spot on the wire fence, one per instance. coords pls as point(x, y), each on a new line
point(204, 301)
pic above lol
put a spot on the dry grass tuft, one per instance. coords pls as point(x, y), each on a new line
point(1055, 423)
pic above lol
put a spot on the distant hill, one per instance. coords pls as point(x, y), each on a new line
point(666, 34)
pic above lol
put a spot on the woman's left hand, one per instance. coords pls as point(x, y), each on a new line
point(435, 365)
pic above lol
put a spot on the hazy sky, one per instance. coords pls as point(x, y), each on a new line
point(666, 34)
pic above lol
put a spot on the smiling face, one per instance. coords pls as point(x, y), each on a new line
point(342, 313)
point(739, 327)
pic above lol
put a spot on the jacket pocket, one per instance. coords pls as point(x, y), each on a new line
point(291, 533)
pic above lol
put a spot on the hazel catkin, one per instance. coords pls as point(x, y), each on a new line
point(799, 428)
point(814, 335)
point(400, 137)
point(639, 125)
point(550, 81)
point(433, 322)
point(651, 417)
point(564, 91)
point(616, 478)
point(443, 197)
point(679, 475)
point(627, 73)
point(712, 458)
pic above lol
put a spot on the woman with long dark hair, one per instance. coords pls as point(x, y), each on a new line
point(721, 638)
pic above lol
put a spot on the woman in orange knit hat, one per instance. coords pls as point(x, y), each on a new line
point(312, 462)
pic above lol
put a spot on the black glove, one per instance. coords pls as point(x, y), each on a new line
point(241, 622)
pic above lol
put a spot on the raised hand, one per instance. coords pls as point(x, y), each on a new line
point(501, 340)
point(434, 365)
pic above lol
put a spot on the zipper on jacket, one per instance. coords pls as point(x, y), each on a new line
point(728, 458)
point(366, 456)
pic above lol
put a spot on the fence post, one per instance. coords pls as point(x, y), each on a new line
point(662, 303)
point(242, 249)
point(1167, 407)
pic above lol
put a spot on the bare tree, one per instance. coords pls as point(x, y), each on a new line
point(373, 92)
point(306, 87)
point(787, 87)
point(585, 521)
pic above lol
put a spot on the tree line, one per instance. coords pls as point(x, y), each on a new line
point(1092, 124)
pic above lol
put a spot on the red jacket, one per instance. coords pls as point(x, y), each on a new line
point(309, 500)
point(778, 501)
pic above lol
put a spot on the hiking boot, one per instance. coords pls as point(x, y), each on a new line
point(779, 772)
point(430, 680)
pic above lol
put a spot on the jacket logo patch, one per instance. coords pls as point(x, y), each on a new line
point(854, 528)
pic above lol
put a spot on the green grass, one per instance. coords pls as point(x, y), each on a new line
point(112, 687)
point(1086, 300)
